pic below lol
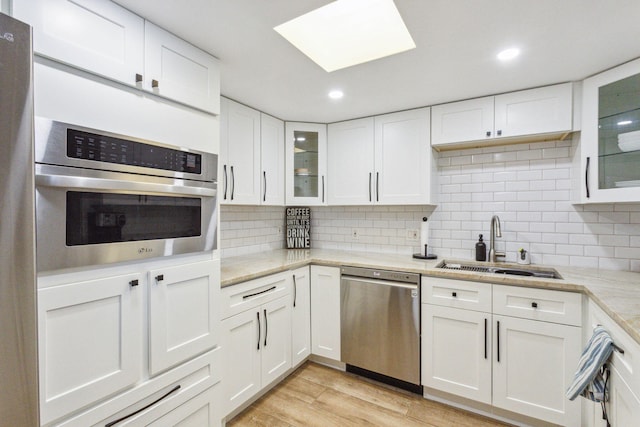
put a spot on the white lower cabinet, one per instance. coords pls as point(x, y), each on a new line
point(92, 333)
point(257, 341)
point(183, 313)
point(518, 363)
point(325, 311)
point(89, 342)
point(623, 406)
point(300, 316)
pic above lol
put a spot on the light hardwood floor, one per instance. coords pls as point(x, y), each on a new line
point(315, 395)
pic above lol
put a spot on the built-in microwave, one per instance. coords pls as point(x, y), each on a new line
point(104, 198)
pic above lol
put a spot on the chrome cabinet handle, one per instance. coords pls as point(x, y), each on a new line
point(586, 176)
point(119, 420)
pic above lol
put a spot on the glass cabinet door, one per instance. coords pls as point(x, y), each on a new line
point(610, 136)
point(306, 163)
point(619, 134)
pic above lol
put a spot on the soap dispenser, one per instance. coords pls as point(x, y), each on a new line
point(481, 250)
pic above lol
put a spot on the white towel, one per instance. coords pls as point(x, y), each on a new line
point(588, 381)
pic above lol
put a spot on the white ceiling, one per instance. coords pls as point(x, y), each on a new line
point(457, 41)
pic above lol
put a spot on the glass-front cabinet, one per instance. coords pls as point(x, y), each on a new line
point(610, 140)
point(306, 179)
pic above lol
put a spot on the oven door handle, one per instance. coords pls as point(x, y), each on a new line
point(65, 181)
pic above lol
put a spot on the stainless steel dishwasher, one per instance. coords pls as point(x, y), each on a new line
point(380, 325)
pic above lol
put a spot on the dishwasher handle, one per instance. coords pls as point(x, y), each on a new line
point(381, 282)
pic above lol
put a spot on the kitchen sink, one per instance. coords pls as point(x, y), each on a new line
point(547, 273)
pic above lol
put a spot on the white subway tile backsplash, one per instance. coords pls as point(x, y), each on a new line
point(527, 185)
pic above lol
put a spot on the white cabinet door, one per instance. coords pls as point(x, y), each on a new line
point(89, 342)
point(180, 71)
point(350, 166)
point(456, 351)
point(534, 363)
point(306, 164)
point(183, 313)
point(272, 158)
point(98, 36)
point(623, 408)
point(300, 316)
point(470, 120)
point(241, 345)
point(403, 158)
point(325, 311)
point(534, 111)
point(240, 154)
point(276, 339)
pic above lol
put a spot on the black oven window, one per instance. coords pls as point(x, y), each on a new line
point(109, 217)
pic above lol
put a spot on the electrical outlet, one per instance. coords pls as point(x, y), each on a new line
point(355, 233)
point(413, 235)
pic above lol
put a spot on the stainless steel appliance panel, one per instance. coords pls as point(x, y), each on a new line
point(380, 322)
point(18, 337)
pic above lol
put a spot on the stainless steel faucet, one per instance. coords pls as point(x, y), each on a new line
point(495, 232)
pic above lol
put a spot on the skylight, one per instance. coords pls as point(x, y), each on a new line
point(348, 32)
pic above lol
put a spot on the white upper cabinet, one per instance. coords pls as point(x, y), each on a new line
point(272, 160)
point(239, 163)
point(98, 36)
point(178, 70)
point(403, 158)
point(351, 159)
point(105, 39)
point(381, 160)
point(606, 168)
point(306, 164)
point(534, 114)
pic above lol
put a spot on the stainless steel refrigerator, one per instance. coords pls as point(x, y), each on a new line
point(18, 333)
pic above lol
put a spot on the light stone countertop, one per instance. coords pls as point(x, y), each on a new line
point(616, 292)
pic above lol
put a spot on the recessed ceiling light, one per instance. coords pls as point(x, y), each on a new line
point(508, 54)
point(348, 32)
point(336, 94)
point(625, 122)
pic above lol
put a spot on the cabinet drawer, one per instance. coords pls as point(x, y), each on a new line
point(456, 293)
point(538, 304)
point(193, 377)
point(627, 363)
point(238, 298)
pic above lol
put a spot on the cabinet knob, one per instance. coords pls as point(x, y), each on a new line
point(159, 277)
point(499, 132)
point(454, 294)
point(488, 133)
point(534, 304)
point(155, 83)
point(133, 283)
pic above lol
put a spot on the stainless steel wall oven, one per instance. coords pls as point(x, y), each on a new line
point(103, 197)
